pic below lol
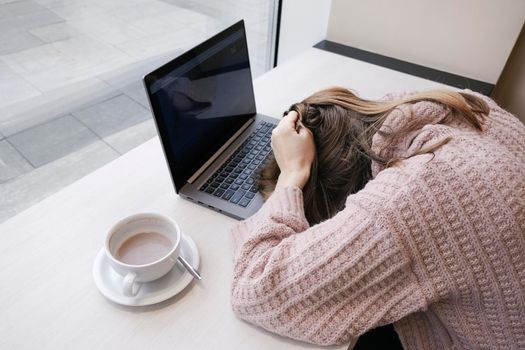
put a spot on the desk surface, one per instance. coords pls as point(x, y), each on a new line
point(48, 299)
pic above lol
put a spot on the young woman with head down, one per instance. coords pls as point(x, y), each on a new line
point(407, 210)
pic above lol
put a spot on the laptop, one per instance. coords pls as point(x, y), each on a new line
point(214, 141)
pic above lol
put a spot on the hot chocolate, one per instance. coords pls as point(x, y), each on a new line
point(144, 248)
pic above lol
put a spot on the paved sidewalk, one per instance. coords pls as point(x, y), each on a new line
point(71, 99)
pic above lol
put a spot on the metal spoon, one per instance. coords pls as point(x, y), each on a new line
point(189, 268)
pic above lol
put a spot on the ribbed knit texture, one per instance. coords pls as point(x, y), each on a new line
point(435, 245)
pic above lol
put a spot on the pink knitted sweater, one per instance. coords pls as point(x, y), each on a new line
point(435, 246)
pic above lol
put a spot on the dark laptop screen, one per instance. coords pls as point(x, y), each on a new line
point(200, 99)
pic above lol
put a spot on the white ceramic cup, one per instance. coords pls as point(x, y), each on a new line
point(135, 275)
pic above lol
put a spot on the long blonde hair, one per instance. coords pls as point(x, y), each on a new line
point(343, 125)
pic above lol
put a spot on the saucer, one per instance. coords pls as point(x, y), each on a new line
point(109, 282)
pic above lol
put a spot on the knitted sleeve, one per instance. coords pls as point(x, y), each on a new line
point(329, 283)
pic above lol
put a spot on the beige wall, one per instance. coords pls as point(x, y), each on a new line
point(510, 90)
point(303, 24)
point(472, 38)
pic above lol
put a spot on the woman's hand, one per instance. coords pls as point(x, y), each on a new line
point(294, 150)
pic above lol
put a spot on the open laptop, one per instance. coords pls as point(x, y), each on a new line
point(214, 141)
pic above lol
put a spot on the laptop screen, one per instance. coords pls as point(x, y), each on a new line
point(200, 99)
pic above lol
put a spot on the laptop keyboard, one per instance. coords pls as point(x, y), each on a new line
point(235, 180)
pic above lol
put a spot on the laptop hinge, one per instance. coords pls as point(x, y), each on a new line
point(219, 152)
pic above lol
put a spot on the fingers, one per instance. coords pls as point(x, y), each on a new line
point(290, 120)
point(287, 125)
point(304, 131)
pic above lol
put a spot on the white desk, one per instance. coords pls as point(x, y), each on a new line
point(48, 299)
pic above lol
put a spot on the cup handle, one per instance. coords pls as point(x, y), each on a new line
point(129, 283)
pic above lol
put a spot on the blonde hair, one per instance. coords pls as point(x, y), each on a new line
point(343, 125)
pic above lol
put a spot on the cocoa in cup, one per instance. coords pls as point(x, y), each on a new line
point(142, 248)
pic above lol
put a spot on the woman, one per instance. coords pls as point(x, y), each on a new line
point(408, 210)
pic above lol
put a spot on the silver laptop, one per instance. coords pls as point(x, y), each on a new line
point(214, 141)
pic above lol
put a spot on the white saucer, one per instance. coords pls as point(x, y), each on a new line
point(109, 283)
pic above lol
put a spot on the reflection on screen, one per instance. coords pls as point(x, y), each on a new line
point(204, 102)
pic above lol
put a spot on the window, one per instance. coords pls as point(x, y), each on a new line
point(71, 97)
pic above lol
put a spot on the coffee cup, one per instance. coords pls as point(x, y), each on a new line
point(142, 248)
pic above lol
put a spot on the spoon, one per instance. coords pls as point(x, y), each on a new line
point(189, 268)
